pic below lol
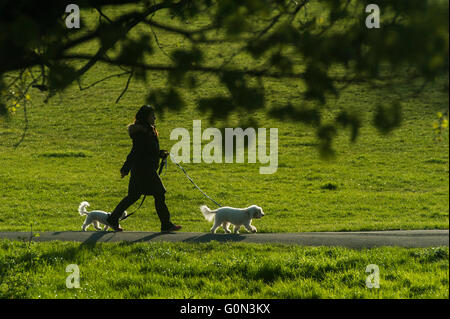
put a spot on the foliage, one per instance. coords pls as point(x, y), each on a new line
point(304, 42)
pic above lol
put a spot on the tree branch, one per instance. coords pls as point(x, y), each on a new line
point(99, 81)
point(126, 87)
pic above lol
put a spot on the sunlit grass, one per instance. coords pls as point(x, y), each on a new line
point(77, 142)
point(217, 270)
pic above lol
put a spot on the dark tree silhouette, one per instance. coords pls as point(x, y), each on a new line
point(412, 43)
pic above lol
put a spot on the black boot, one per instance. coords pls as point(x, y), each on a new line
point(113, 223)
point(171, 228)
point(113, 219)
point(164, 215)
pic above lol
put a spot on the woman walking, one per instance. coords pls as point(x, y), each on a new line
point(143, 162)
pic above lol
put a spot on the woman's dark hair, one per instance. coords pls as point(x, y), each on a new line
point(143, 113)
point(142, 118)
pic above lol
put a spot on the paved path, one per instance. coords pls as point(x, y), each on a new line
point(366, 239)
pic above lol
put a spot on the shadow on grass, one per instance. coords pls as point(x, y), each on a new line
point(64, 154)
point(74, 254)
point(215, 237)
point(193, 239)
point(149, 237)
point(95, 237)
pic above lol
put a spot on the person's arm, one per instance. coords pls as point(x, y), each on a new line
point(163, 153)
point(153, 153)
point(129, 161)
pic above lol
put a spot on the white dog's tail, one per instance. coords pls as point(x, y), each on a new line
point(208, 213)
point(82, 208)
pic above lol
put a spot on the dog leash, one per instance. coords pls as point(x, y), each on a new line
point(161, 167)
point(164, 165)
point(128, 215)
point(195, 185)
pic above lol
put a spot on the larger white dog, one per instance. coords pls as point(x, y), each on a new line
point(224, 216)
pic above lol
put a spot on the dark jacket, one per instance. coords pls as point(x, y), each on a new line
point(143, 161)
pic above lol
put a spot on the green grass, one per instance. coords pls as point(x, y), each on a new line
point(76, 144)
point(75, 147)
point(217, 270)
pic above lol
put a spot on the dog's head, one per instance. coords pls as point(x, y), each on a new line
point(255, 211)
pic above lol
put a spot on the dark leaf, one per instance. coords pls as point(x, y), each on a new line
point(163, 100)
point(305, 115)
point(60, 76)
point(388, 117)
point(220, 107)
point(347, 119)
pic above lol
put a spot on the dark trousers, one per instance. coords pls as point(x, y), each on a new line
point(160, 205)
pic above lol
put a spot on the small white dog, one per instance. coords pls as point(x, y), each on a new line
point(94, 217)
point(224, 216)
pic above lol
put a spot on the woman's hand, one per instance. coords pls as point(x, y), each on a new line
point(163, 153)
point(123, 174)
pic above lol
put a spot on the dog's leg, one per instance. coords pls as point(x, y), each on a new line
point(97, 226)
point(225, 226)
point(236, 229)
point(215, 226)
point(250, 228)
point(85, 226)
point(87, 223)
point(105, 228)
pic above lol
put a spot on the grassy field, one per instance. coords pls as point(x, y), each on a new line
point(216, 270)
point(77, 142)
